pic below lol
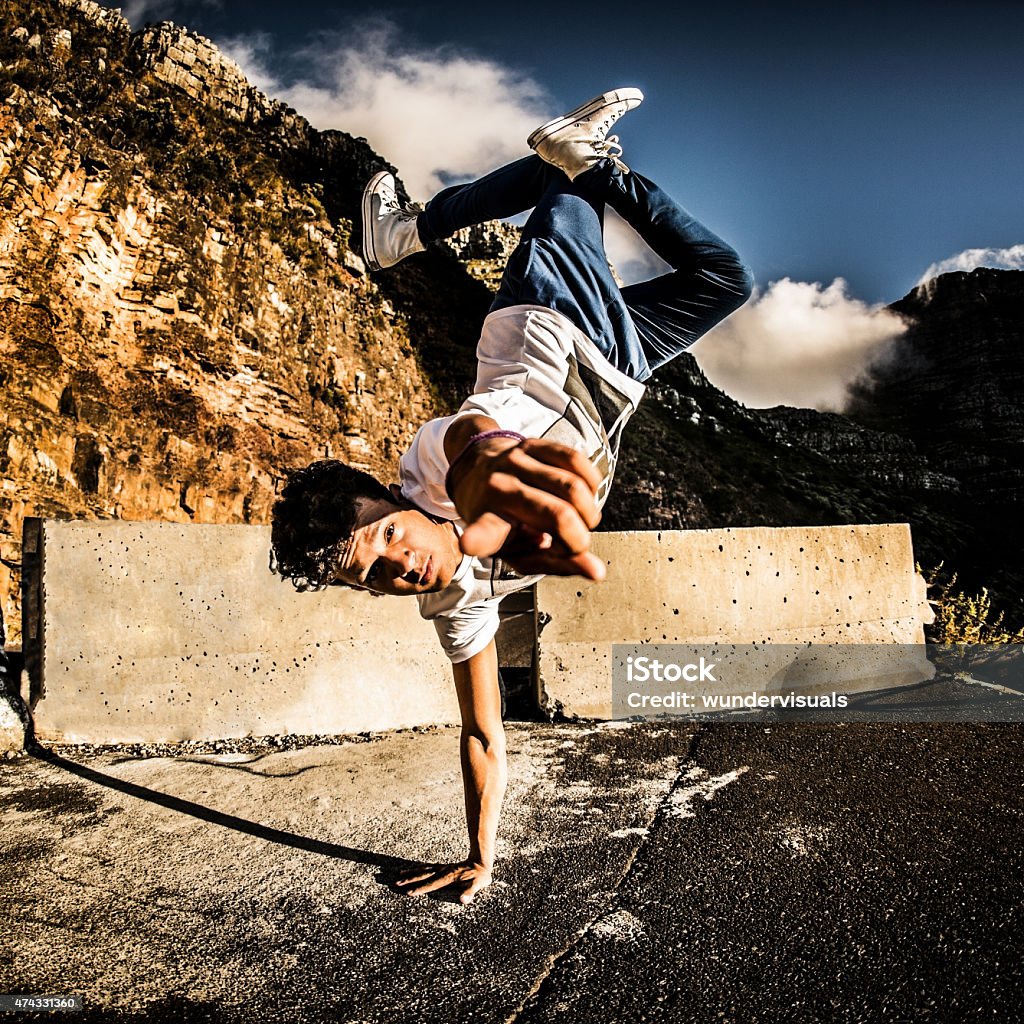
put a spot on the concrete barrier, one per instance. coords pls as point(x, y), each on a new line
point(159, 632)
point(753, 585)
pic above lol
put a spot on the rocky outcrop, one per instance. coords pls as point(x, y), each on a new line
point(954, 384)
point(886, 459)
point(484, 249)
point(108, 20)
point(182, 318)
point(193, 64)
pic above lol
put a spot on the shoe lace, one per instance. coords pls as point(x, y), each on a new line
point(390, 203)
point(611, 148)
point(601, 128)
point(409, 211)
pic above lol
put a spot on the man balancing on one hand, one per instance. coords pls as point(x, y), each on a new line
point(509, 487)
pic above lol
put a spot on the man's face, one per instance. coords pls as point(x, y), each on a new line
point(398, 551)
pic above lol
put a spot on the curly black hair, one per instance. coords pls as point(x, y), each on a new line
point(314, 517)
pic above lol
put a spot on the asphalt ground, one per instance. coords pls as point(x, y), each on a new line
point(649, 872)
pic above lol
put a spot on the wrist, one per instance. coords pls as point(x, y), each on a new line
point(483, 445)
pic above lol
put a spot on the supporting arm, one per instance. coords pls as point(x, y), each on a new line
point(484, 774)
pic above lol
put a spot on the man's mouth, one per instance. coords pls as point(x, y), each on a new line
point(427, 570)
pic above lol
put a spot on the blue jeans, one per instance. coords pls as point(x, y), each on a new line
point(561, 263)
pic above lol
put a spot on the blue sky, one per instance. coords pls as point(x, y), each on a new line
point(844, 149)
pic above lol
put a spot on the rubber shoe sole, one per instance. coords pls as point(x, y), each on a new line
point(369, 253)
point(634, 97)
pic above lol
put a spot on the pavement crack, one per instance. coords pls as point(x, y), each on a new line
point(663, 810)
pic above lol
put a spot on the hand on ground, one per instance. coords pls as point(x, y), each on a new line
point(465, 878)
point(533, 504)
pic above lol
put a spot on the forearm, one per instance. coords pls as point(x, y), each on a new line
point(462, 429)
point(482, 751)
point(484, 776)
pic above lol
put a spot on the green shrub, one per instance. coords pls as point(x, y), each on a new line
point(962, 618)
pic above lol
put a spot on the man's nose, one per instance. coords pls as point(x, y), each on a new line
point(403, 561)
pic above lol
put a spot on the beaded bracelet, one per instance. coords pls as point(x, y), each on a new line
point(472, 443)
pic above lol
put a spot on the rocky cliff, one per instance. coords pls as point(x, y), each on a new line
point(954, 383)
point(483, 250)
point(954, 388)
point(182, 315)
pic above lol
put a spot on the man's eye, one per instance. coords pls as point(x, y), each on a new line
point(389, 532)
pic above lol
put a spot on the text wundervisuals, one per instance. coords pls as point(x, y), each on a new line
point(733, 701)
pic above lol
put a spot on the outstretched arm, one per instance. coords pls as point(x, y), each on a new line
point(482, 751)
point(532, 502)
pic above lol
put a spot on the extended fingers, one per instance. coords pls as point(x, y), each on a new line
point(436, 880)
point(518, 503)
point(470, 878)
point(439, 879)
point(416, 876)
point(563, 457)
point(560, 480)
point(549, 562)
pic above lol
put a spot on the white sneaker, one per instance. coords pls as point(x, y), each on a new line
point(389, 226)
point(578, 140)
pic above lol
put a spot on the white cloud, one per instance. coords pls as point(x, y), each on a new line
point(970, 259)
point(796, 343)
point(627, 251)
point(438, 115)
point(138, 12)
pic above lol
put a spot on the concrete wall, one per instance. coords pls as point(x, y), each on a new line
point(149, 632)
point(789, 585)
point(157, 632)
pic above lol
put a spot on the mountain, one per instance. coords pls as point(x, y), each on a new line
point(184, 317)
point(933, 436)
point(954, 387)
point(699, 459)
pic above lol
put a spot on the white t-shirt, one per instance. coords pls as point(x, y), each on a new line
point(539, 375)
